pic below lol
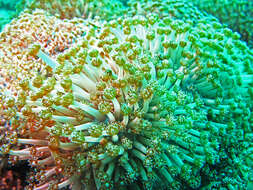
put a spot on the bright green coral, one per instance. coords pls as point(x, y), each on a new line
point(178, 9)
point(144, 101)
point(236, 14)
point(139, 103)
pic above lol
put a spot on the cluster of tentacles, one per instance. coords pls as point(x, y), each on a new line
point(139, 102)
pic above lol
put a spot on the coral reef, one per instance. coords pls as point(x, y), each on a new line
point(63, 9)
point(236, 14)
point(160, 98)
point(67, 9)
point(178, 9)
point(53, 34)
point(138, 103)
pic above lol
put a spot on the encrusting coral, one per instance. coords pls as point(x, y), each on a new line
point(138, 103)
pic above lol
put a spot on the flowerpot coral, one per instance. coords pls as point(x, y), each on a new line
point(67, 9)
point(177, 9)
point(236, 14)
point(139, 103)
point(53, 34)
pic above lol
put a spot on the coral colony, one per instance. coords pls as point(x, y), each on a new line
point(237, 14)
point(155, 98)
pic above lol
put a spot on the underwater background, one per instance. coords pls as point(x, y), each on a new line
point(127, 94)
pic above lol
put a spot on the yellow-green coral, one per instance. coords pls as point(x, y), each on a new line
point(178, 9)
point(144, 101)
point(138, 103)
point(236, 14)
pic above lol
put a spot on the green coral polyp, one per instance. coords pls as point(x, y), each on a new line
point(236, 14)
point(137, 103)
